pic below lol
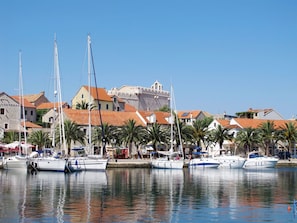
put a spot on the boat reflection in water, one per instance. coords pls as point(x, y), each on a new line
point(149, 195)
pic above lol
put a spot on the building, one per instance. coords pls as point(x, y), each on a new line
point(267, 114)
point(94, 97)
point(143, 99)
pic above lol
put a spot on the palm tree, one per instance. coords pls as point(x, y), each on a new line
point(220, 134)
point(131, 133)
point(73, 133)
point(267, 131)
point(40, 138)
point(106, 136)
point(10, 136)
point(247, 138)
point(200, 130)
point(83, 105)
point(289, 133)
point(156, 135)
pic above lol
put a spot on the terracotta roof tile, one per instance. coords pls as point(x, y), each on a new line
point(33, 97)
point(255, 123)
point(110, 117)
point(27, 104)
point(31, 125)
point(129, 108)
point(50, 105)
point(102, 94)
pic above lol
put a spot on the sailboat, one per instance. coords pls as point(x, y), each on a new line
point(54, 162)
point(19, 161)
point(90, 161)
point(170, 159)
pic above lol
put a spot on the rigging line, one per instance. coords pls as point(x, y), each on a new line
point(99, 108)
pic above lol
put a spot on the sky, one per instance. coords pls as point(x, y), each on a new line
point(219, 55)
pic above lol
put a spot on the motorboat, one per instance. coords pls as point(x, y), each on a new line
point(230, 161)
point(257, 161)
point(203, 160)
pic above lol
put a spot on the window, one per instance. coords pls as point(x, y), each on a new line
point(82, 95)
point(2, 111)
point(31, 113)
point(106, 106)
point(6, 126)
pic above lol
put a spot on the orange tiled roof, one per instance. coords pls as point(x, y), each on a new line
point(129, 108)
point(188, 114)
point(110, 117)
point(223, 122)
point(50, 105)
point(27, 104)
point(33, 97)
point(255, 123)
point(31, 125)
point(102, 94)
point(160, 116)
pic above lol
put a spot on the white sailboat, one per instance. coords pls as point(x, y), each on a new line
point(89, 161)
point(19, 161)
point(170, 159)
point(55, 162)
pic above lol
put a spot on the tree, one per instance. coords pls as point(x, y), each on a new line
point(40, 138)
point(105, 134)
point(165, 108)
point(247, 138)
point(289, 133)
point(10, 136)
point(156, 135)
point(83, 105)
point(200, 130)
point(73, 133)
point(220, 134)
point(131, 133)
point(267, 131)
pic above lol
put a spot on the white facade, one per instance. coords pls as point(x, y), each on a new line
point(145, 99)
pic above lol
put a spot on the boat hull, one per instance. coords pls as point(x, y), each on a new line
point(167, 164)
point(260, 163)
point(232, 162)
point(203, 163)
point(15, 162)
point(48, 164)
point(85, 163)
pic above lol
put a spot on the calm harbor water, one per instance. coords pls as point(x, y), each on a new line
point(149, 195)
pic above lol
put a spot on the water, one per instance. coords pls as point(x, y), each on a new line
point(149, 195)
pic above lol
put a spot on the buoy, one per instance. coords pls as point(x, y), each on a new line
point(289, 208)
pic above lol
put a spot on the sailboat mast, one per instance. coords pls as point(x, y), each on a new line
point(171, 121)
point(89, 89)
point(60, 107)
point(21, 102)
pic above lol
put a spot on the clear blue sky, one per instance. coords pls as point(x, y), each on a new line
point(220, 56)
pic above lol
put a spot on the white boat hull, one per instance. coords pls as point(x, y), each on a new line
point(232, 162)
point(260, 163)
point(48, 164)
point(203, 163)
point(167, 164)
point(15, 162)
point(85, 163)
